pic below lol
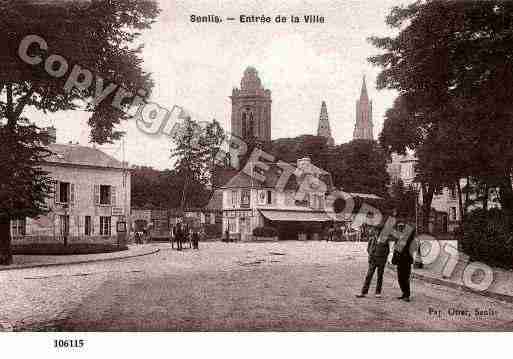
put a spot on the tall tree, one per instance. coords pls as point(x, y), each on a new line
point(452, 66)
point(195, 149)
point(359, 166)
point(98, 36)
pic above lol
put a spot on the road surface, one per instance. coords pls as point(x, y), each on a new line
point(286, 286)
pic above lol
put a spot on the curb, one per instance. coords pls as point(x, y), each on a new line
point(484, 293)
point(25, 266)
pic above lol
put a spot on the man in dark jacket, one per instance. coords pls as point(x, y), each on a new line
point(404, 264)
point(378, 251)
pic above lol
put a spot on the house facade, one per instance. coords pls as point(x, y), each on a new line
point(292, 208)
point(446, 214)
point(91, 194)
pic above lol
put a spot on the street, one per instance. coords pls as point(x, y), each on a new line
point(274, 286)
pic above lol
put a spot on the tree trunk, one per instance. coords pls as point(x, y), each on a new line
point(506, 195)
point(5, 241)
point(427, 199)
point(485, 196)
point(467, 194)
point(460, 202)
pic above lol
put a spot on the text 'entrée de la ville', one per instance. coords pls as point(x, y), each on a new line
point(259, 19)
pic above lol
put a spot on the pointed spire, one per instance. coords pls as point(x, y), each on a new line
point(363, 94)
point(324, 110)
point(324, 124)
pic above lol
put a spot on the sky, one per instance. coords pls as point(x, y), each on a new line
point(196, 65)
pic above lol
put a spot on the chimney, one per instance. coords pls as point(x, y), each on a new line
point(304, 163)
point(51, 133)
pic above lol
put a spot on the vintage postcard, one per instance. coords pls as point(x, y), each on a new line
point(255, 166)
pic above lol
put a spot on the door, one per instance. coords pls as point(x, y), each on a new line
point(444, 223)
point(244, 227)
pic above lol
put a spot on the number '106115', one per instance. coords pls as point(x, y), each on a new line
point(68, 343)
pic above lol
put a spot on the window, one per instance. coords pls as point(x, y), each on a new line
point(439, 191)
point(64, 225)
point(234, 198)
point(18, 227)
point(453, 213)
point(105, 194)
point(87, 226)
point(453, 192)
point(247, 123)
point(245, 198)
point(232, 224)
point(262, 197)
point(64, 189)
point(105, 226)
point(269, 197)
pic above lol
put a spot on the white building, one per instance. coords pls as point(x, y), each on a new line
point(91, 194)
point(249, 203)
point(446, 215)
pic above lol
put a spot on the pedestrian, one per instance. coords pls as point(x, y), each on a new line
point(179, 236)
point(226, 236)
point(378, 250)
point(331, 231)
point(403, 258)
point(195, 240)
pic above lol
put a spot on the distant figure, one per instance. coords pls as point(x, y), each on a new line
point(331, 232)
point(226, 236)
point(378, 253)
point(179, 236)
point(195, 240)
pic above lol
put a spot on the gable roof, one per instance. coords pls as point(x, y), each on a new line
point(272, 176)
point(81, 155)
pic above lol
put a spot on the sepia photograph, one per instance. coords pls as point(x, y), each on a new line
point(255, 166)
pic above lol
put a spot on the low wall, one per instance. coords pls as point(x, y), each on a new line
point(71, 239)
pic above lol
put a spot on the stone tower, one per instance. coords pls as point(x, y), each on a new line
point(324, 125)
point(363, 129)
point(251, 108)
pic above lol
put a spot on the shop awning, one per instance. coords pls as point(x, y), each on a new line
point(295, 216)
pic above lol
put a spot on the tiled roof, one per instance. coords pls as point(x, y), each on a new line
point(272, 175)
point(81, 155)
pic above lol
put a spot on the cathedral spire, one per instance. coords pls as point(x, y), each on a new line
point(363, 129)
point(363, 94)
point(324, 125)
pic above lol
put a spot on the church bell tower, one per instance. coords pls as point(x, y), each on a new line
point(251, 108)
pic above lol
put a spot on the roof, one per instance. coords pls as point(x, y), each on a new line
point(272, 175)
point(216, 201)
point(295, 216)
point(81, 155)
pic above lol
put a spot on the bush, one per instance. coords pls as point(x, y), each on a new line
point(487, 238)
point(265, 232)
point(71, 248)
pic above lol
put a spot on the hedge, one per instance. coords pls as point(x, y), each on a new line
point(265, 232)
point(71, 248)
point(488, 238)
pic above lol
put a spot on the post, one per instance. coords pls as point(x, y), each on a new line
point(418, 258)
point(66, 224)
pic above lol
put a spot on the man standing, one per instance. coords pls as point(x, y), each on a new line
point(378, 250)
point(404, 263)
